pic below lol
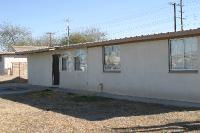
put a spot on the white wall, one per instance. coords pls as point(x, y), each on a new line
point(40, 72)
point(9, 59)
point(72, 79)
point(144, 73)
point(40, 69)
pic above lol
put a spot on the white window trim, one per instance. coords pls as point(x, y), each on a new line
point(109, 70)
point(66, 55)
point(171, 70)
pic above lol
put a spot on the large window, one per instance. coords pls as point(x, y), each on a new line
point(80, 63)
point(183, 55)
point(112, 58)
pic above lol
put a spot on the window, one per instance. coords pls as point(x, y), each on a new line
point(77, 62)
point(183, 54)
point(112, 58)
point(67, 62)
point(80, 60)
point(1, 59)
point(64, 63)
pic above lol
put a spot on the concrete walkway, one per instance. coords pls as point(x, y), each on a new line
point(13, 88)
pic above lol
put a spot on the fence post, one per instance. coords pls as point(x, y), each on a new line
point(11, 69)
point(19, 69)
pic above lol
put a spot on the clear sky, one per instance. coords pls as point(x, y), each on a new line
point(118, 18)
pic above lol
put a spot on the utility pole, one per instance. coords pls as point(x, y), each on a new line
point(174, 5)
point(181, 10)
point(68, 32)
point(50, 38)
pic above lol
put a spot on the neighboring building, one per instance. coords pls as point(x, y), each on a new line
point(11, 64)
point(26, 48)
point(161, 68)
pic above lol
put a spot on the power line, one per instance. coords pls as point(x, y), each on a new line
point(174, 4)
point(133, 24)
point(113, 25)
point(119, 21)
point(192, 7)
point(193, 2)
point(128, 21)
point(143, 28)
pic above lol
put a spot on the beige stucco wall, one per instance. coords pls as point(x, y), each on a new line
point(40, 69)
point(144, 73)
point(72, 79)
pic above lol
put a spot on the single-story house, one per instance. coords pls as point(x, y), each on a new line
point(161, 68)
point(10, 63)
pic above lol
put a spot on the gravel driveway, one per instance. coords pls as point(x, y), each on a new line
point(49, 111)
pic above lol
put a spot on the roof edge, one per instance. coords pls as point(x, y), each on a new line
point(142, 38)
point(7, 53)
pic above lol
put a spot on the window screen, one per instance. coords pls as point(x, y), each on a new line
point(184, 54)
point(112, 58)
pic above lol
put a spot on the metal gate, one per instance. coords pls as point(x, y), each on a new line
point(19, 69)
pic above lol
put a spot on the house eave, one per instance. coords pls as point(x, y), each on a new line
point(121, 41)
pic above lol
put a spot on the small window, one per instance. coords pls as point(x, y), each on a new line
point(77, 62)
point(1, 58)
point(112, 58)
point(64, 63)
point(80, 60)
point(67, 62)
point(183, 54)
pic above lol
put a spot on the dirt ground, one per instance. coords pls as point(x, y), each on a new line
point(6, 77)
point(49, 111)
point(12, 79)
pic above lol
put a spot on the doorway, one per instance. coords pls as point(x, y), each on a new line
point(55, 70)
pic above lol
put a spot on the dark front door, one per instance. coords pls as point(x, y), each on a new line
point(55, 70)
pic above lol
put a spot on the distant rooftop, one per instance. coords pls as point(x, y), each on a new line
point(27, 48)
point(15, 49)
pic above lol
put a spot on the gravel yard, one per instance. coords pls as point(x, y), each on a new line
point(49, 111)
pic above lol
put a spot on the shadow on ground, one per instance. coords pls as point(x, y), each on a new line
point(177, 126)
point(14, 80)
point(89, 107)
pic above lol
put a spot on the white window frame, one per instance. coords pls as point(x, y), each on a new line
point(80, 53)
point(171, 69)
point(69, 63)
point(104, 60)
point(64, 68)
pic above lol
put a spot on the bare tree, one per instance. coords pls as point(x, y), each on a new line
point(44, 40)
point(94, 34)
point(88, 35)
point(13, 35)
